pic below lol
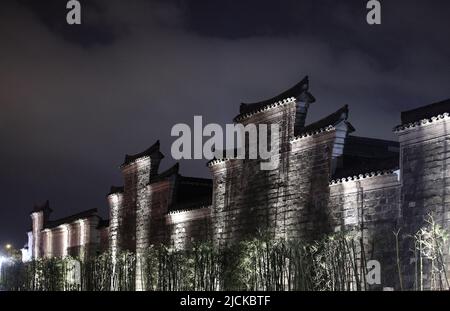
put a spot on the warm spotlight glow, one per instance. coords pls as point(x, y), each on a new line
point(8, 246)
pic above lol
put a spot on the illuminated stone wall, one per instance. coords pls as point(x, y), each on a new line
point(152, 222)
point(90, 237)
point(143, 218)
point(115, 204)
point(73, 238)
point(136, 176)
point(425, 174)
point(245, 198)
point(155, 225)
point(47, 243)
point(133, 214)
point(306, 214)
point(80, 239)
point(289, 201)
point(298, 199)
point(59, 241)
point(38, 225)
point(187, 227)
point(369, 205)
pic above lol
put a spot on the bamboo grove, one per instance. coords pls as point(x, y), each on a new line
point(335, 263)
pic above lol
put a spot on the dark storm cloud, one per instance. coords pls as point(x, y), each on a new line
point(94, 31)
point(75, 100)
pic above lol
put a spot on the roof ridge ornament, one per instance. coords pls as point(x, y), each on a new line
point(153, 149)
point(325, 124)
point(173, 170)
point(298, 92)
point(44, 207)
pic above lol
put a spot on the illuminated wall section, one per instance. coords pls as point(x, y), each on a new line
point(247, 199)
point(64, 240)
point(47, 246)
point(143, 213)
point(219, 172)
point(38, 224)
point(87, 237)
point(425, 175)
point(57, 241)
point(187, 226)
point(115, 201)
point(133, 213)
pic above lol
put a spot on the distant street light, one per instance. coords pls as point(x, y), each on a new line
point(8, 246)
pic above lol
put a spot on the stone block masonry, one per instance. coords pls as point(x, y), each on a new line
point(425, 174)
point(327, 181)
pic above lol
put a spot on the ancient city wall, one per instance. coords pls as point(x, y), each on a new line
point(424, 160)
point(245, 197)
point(300, 198)
point(306, 214)
point(369, 205)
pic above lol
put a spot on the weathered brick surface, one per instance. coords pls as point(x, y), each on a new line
point(245, 198)
point(115, 201)
point(426, 185)
point(295, 200)
point(370, 206)
point(188, 227)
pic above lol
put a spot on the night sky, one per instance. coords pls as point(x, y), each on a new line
point(75, 99)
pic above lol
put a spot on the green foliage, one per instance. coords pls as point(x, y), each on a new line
point(69, 274)
point(257, 264)
point(38, 275)
point(336, 262)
